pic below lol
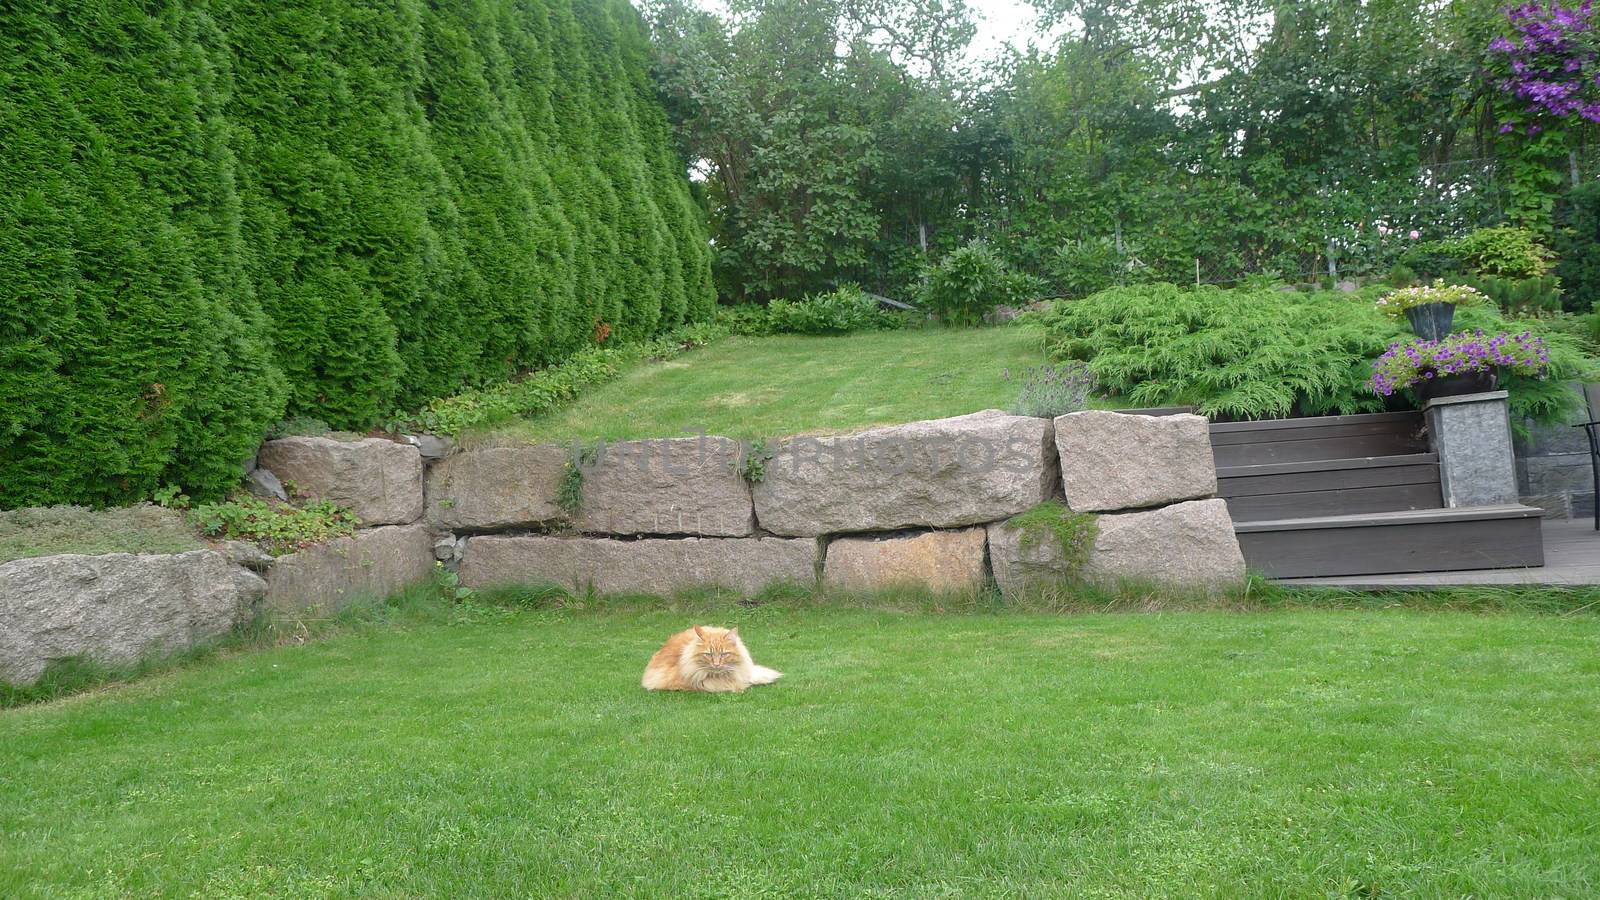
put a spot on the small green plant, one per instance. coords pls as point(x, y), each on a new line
point(449, 584)
point(753, 458)
point(1073, 532)
point(970, 282)
point(171, 496)
point(278, 527)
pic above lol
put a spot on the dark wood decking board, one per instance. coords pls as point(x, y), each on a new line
point(1328, 475)
point(1331, 487)
point(1346, 501)
point(1323, 438)
point(1571, 558)
point(1429, 540)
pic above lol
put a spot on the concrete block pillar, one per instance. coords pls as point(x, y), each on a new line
point(1472, 435)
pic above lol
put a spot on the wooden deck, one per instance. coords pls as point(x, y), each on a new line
point(1571, 554)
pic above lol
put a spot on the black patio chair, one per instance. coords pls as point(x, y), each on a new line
point(1589, 428)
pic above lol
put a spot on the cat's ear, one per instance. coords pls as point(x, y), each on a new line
point(733, 632)
point(698, 633)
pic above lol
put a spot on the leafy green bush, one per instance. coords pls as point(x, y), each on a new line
point(1577, 241)
point(1265, 354)
point(1505, 251)
point(1080, 268)
point(836, 312)
point(277, 527)
point(970, 282)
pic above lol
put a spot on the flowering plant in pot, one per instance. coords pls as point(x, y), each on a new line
point(1430, 308)
point(1461, 363)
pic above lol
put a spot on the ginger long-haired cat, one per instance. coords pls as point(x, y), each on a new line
point(705, 658)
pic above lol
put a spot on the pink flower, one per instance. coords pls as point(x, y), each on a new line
point(1414, 234)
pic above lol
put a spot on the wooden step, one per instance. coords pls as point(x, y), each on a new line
point(1331, 487)
point(1424, 540)
point(1319, 438)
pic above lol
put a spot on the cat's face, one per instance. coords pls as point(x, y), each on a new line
point(718, 650)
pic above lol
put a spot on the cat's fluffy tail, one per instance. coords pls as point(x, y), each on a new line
point(764, 675)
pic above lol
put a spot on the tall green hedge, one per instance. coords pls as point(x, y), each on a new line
point(215, 213)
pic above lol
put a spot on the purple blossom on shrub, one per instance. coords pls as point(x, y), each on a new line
point(1404, 365)
point(1553, 63)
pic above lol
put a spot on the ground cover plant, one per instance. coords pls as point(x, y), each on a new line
point(753, 387)
point(46, 531)
point(1292, 752)
point(1268, 353)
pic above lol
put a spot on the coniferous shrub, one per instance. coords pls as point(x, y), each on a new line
point(214, 215)
point(1577, 242)
point(1244, 354)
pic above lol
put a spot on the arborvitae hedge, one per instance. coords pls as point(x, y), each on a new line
point(216, 213)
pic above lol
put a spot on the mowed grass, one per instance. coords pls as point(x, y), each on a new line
point(1280, 753)
point(755, 387)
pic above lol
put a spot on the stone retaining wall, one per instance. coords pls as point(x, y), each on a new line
point(923, 504)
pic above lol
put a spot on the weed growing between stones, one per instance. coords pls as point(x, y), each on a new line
point(753, 458)
point(1074, 532)
point(569, 496)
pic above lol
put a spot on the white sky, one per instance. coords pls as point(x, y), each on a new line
point(1001, 22)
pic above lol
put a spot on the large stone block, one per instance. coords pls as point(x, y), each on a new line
point(946, 473)
point(379, 480)
point(648, 566)
point(1187, 546)
point(688, 486)
point(1112, 461)
point(372, 564)
point(938, 560)
point(497, 487)
point(118, 608)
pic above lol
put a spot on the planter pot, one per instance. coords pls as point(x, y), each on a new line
point(1456, 385)
point(1431, 321)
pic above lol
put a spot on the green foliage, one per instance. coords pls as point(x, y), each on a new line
point(216, 214)
point(278, 527)
point(1577, 241)
point(1267, 354)
point(1078, 268)
point(1073, 532)
point(970, 282)
point(839, 311)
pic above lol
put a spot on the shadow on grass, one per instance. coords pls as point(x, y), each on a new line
point(442, 603)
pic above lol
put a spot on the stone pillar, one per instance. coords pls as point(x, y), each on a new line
point(1472, 435)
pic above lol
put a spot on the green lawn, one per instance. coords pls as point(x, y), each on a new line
point(1278, 753)
point(751, 387)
